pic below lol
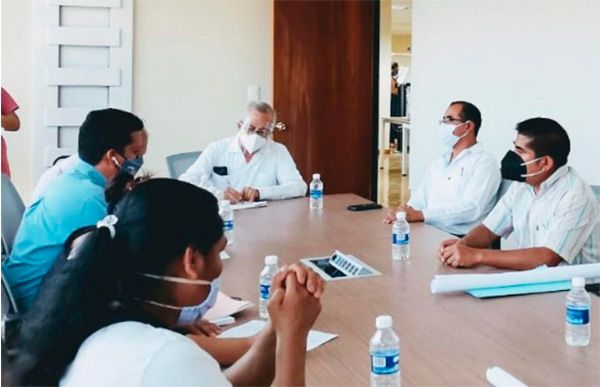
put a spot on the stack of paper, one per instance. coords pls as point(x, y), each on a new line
point(315, 338)
point(246, 205)
point(225, 306)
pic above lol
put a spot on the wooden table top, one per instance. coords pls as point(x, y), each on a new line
point(448, 339)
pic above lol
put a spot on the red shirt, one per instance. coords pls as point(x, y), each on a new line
point(8, 106)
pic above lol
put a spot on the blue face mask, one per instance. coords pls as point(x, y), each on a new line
point(189, 314)
point(131, 166)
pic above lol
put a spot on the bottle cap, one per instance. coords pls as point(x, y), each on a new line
point(316, 175)
point(578, 282)
point(383, 322)
point(271, 260)
point(401, 215)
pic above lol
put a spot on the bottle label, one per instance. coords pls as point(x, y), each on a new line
point(265, 289)
point(577, 316)
point(316, 194)
point(400, 239)
point(385, 362)
point(228, 225)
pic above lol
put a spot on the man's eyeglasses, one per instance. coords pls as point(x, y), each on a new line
point(263, 132)
point(450, 120)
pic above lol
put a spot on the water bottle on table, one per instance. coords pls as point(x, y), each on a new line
point(266, 276)
point(385, 354)
point(227, 216)
point(400, 238)
point(316, 192)
point(577, 324)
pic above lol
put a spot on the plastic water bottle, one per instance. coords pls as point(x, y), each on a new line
point(577, 324)
point(227, 215)
point(385, 354)
point(316, 192)
point(401, 238)
point(266, 276)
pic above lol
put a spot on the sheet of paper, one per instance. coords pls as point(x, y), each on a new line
point(500, 378)
point(226, 306)
point(512, 290)
point(315, 338)
point(246, 205)
point(459, 282)
point(223, 321)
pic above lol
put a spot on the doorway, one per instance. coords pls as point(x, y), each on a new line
point(325, 87)
point(394, 111)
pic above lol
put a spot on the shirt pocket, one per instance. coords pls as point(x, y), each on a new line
point(453, 184)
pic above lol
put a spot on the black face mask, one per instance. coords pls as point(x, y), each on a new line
point(512, 167)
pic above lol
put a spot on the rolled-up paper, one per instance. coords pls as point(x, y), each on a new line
point(459, 282)
point(500, 378)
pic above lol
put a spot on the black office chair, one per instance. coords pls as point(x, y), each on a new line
point(12, 212)
point(11, 318)
point(180, 162)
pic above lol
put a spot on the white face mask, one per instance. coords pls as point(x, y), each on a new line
point(252, 142)
point(447, 138)
point(189, 314)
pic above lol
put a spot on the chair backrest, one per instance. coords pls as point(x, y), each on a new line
point(180, 162)
point(596, 189)
point(12, 212)
point(11, 320)
point(9, 306)
point(504, 185)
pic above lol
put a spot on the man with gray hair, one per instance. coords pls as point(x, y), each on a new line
point(250, 165)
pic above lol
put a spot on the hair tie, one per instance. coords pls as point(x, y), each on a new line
point(109, 222)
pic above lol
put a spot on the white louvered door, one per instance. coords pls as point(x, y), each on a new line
point(82, 61)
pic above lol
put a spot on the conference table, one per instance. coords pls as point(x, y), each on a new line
point(445, 339)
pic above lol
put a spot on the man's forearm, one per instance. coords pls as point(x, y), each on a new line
point(479, 237)
point(11, 122)
point(521, 259)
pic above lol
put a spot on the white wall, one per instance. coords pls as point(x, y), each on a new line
point(193, 62)
point(514, 59)
point(17, 80)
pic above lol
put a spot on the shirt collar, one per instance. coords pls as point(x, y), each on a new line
point(475, 148)
point(90, 172)
point(234, 144)
point(549, 182)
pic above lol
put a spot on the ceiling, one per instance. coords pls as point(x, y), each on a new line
point(401, 17)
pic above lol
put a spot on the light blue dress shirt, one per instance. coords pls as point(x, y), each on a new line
point(74, 200)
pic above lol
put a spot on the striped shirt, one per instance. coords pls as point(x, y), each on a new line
point(564, 216)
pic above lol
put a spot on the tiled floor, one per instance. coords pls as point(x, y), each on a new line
point(392, 186)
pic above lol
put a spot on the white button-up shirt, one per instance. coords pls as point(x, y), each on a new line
point(52, 174)
point(456, 196)
point(271, 170)
point(563, 216)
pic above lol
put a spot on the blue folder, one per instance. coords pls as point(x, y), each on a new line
point(500, 291)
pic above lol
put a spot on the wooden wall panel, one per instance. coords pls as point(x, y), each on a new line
point(323, 89)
